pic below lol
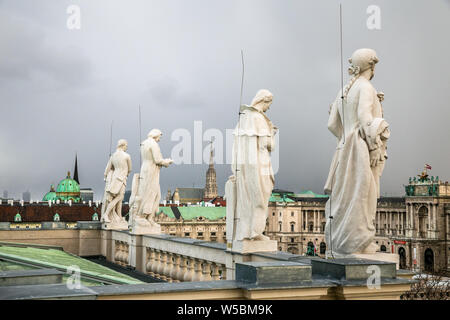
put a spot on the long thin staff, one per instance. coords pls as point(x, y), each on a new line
point(342, 71)
point(237, 140)
point(140, 138)
point(110, 139)
point(343, 123)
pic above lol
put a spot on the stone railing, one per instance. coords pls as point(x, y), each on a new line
point(121, 255)
point(173, 267)
point(169, 258)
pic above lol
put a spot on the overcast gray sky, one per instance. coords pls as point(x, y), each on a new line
point(180, 60)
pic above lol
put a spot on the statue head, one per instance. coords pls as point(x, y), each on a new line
point(122, 144)
point(262, 100)
point(361, 61)
point(155, 134)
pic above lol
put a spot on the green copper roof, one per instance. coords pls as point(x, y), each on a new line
point(311, 194)
point(276, 197)
point(68, 185)
point(58, 259)
point(190, 213)
point(49, 196)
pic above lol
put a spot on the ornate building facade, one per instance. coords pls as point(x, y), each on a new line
point(416, 226)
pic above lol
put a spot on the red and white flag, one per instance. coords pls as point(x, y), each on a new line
point(428, 166)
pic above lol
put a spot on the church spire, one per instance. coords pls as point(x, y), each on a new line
point(211, 157)
point(211, 183)
point(75, 172)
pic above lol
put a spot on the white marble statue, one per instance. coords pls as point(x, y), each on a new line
point(116, 173)
point(249, 188)
point(146, 192)
point(354, 179)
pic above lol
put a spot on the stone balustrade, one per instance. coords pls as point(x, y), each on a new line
point(169, 258)
point(121, 255)
point(173, 267)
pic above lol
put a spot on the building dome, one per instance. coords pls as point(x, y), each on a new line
point(68, 189)
point(51, 195)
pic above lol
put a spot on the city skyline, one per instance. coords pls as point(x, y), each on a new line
point(181, 63)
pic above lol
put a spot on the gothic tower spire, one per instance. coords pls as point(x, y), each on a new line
point(211, 182)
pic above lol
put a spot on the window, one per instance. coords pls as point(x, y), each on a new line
point(279, 226)
point(292, 214)
point(213, 234)
point(273, 213)
point(280, 214)
point(323, 248)
point(292, 227)
point(200, 234)
point(187, 234)
point(292, 239)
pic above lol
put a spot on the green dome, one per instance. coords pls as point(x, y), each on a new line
point(68, 185)
point(51, 195)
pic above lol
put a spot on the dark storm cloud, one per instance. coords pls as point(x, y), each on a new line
point(180, 61)
point(25, 54)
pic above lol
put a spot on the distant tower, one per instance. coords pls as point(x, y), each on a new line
point(176, 196)
point(75, 172)
point(168, 195)
point(211, 182)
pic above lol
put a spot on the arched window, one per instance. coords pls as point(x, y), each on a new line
point(279, 224)
point(292, 227)
point(323, 248)
point(383, 248)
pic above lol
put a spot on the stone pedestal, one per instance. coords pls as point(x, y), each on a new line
point(141, 226)
point(352, 268)
point(121, 225)
point(377, 256)
point(279, 272)
point(249, 246)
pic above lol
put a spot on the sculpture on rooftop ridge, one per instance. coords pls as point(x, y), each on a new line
point(356, 119)
point(116, 174)
point(249, 188)
point(146, 191)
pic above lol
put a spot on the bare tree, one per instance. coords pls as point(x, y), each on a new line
point(429, 286)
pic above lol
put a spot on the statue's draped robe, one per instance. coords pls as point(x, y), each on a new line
point(116, 173)
point(253, 141)
point(147, 197)
point(352, 184)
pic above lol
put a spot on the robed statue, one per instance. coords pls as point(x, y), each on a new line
point(356, 119)
point(249, 188)
point(146, 191)
point(116, 174)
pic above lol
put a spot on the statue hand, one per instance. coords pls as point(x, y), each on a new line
point(375, 156)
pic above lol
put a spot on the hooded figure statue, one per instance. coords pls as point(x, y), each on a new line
point(356, 119)
point(252, 168)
